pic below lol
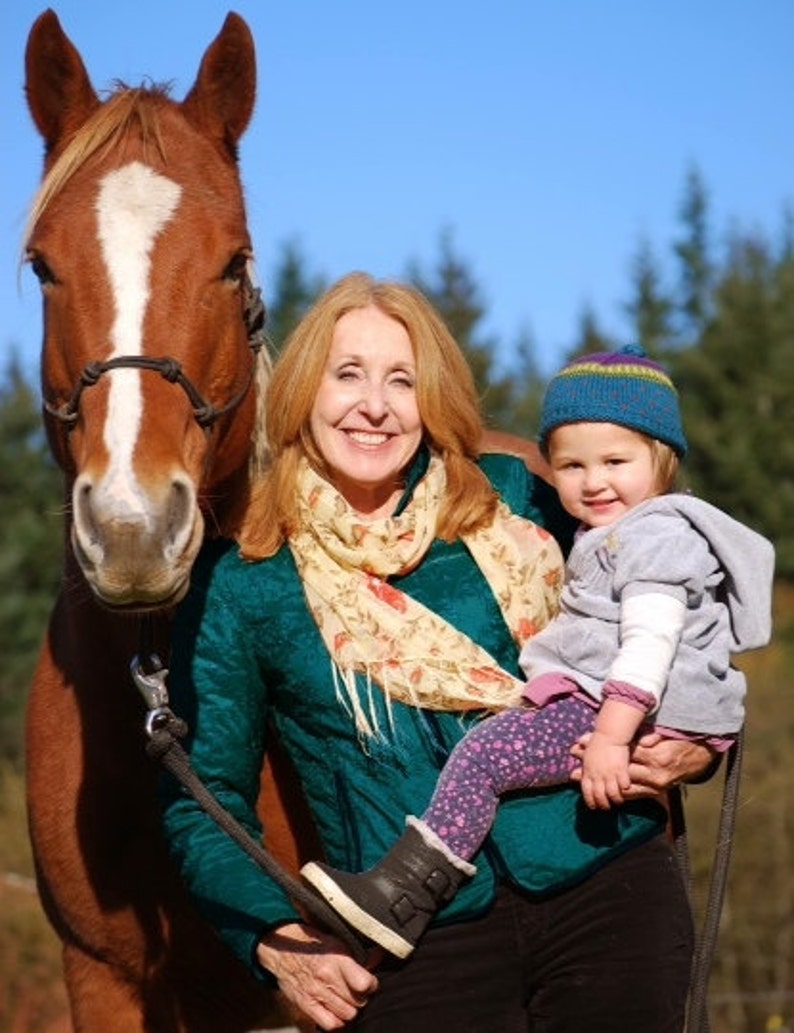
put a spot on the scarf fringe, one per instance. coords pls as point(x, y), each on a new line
point(366, 720)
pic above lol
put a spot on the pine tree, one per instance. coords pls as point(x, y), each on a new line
point(737, 387)
point(693, 251)
point(650, 309)
point(590, 338)
point(292, 293)
point(451, 288)
point(527, 384)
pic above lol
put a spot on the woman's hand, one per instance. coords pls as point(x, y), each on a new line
point(316, 974)
point(657, 763)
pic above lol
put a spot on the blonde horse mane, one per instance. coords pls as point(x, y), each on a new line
point(260, 452)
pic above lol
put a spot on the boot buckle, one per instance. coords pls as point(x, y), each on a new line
point(403, 910)
point(439, 885)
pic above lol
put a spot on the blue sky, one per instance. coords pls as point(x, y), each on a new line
point(549, 137)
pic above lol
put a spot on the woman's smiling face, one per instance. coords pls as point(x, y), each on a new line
point(365, 419)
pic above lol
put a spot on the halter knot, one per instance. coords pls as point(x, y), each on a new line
point(91, 373)
point(170, 369)
point(205, 415)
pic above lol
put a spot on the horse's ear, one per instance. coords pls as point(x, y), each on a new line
point(59, 92)
point(221, 101)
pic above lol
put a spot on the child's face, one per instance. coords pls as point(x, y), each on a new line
point(601, 470)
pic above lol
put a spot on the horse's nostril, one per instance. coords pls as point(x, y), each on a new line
point(177, 510)
point(181, 519)
point(83, 512)
point(180, 509)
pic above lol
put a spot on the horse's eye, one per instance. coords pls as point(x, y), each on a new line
point(41, 270)
point(237, 267)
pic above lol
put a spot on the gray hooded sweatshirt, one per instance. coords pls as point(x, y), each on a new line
point(678, 545)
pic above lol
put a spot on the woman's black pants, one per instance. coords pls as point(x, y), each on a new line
point(611, 955)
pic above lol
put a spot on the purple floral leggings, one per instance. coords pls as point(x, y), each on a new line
point(516, 749)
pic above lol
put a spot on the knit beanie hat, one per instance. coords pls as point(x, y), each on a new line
point(624, 387)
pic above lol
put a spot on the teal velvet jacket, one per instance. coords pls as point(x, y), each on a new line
point(246, 654)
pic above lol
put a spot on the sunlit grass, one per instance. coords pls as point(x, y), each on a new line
point(32, 995)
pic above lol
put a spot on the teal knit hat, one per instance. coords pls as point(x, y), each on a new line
point(623, 387)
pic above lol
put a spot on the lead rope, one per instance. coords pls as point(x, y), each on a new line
point(164, 730)
point(703, 959)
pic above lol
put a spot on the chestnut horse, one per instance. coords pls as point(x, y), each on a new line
point(151, 389)
point(152, 398)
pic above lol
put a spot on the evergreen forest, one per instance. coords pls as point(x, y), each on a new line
point(721, 317)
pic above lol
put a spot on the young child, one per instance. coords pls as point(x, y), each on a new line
point(660, 589)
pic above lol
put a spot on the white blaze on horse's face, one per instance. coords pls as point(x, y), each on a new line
point(130, 542)
point(133, 206)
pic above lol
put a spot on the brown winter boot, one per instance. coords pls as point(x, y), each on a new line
point(393, 902)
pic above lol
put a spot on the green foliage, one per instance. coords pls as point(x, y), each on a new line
point(737, 394)
point(590, 337)
point(693, 251)
point(727, 334)
point(30, 548)
point(293, 292)
point(521, 413)
point(451, 288)
point(509, 401)
point(651, 310)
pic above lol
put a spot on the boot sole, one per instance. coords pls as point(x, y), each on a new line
point(355, 916)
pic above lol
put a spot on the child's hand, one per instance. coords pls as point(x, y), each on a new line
point(605, 772)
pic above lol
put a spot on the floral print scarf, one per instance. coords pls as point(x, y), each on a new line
point(372, 628)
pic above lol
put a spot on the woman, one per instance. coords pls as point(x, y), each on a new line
point(644, 638)
point(372, 609)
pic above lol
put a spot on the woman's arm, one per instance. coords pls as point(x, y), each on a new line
point(216, 687)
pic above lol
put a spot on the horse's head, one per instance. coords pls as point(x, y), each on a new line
point(139, 239)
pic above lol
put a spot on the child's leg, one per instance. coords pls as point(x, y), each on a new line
point(392, 903)
point(516, 749)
